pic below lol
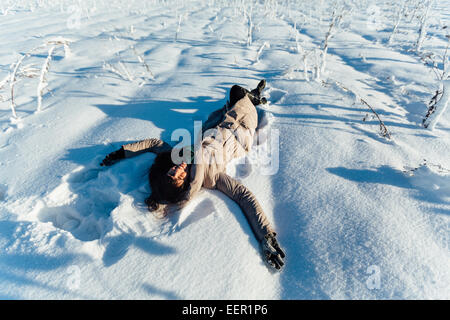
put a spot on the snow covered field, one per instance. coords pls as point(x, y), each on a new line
point(361, 216)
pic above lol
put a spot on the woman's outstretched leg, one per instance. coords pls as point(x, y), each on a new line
point(237, 93)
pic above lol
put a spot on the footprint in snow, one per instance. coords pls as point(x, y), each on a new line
point(69, 219)
point(65, 217)
point(82, 204)
point(276, 95)
point(83, 175)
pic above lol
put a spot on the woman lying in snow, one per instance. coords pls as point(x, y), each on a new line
point(228, 133)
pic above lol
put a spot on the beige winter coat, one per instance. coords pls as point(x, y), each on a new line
point(227, 134)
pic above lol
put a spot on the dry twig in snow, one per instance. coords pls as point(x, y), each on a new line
point(42, 78)
point(383, 129)
point(61, 41)
point(13, 80)
point(335, 22)
point(265, 45)
point(141, 60)
point(438, 105)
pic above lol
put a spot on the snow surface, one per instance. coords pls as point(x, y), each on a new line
point(359, 215)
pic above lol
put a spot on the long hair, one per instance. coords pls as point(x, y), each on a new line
point(164, 191)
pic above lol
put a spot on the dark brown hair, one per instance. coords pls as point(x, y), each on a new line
point(163, 189)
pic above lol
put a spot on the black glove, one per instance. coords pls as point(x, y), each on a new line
point(113, 157)
point(272, 252)
point(255, 94)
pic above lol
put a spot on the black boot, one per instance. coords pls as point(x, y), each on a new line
point(255, 94)
point(261, 85)
point(272, 252)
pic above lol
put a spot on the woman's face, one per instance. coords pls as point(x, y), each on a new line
point(178, 174)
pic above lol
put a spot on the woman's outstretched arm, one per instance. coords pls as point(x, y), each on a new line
point(148, 145)
point(136, 148)
point(258, 221)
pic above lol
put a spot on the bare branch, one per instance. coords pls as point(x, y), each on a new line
point(437, 106)
point(142, 60)
point(42, 79)
point(383, 129)
point(13, 81)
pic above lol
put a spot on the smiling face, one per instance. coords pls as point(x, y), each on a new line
point(178, 174)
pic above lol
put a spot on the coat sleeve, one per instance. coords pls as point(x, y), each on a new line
point(148, 145)
point(247, 202)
